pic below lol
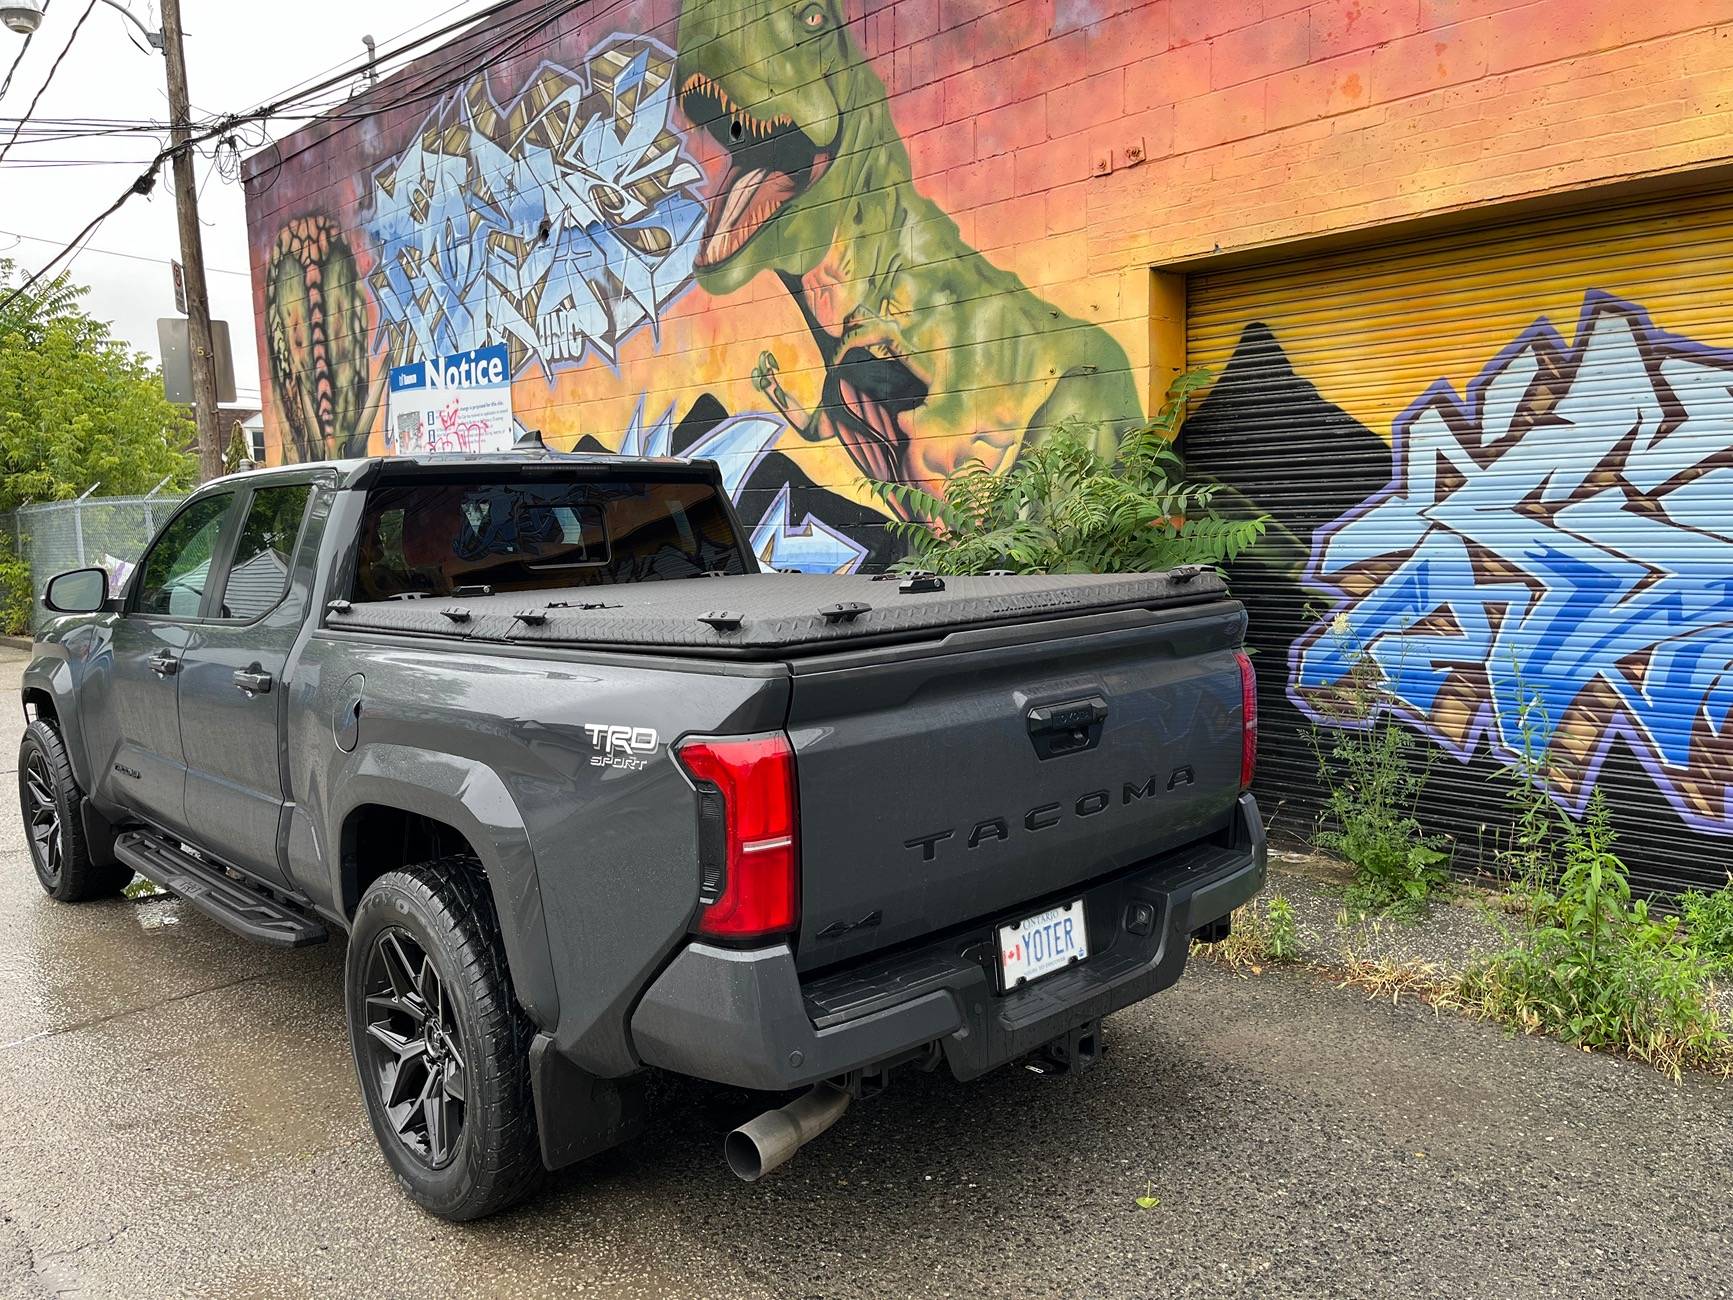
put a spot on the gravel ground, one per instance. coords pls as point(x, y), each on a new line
point(178, 1116)
point(1459, 928)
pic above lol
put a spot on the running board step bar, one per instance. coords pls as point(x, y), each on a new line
point(246, 909)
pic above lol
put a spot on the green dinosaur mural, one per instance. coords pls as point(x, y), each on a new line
point(932, 355)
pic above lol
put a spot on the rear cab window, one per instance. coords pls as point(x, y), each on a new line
point(512, 533)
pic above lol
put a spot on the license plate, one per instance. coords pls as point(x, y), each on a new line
point(1041, 944)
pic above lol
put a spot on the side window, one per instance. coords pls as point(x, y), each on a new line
point(260, 573)
point(179, 563)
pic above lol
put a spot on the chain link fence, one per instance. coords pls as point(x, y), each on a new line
point(106, 531)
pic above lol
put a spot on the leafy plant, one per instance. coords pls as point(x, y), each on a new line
point(1374, 783)
point(15, 599)
point(1599, 969)
point(1709, 922)
point(1529, 858)
point(1257, 938)
point(1282, 935)
point(1063, 507)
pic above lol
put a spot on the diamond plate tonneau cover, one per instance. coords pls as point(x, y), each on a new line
point(768, 615)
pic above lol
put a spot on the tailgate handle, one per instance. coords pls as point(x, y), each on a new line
point(1068, 728)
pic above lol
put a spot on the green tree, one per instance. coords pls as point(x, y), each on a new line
point(77, 408)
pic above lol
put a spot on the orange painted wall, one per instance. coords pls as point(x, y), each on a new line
point(1074, 144)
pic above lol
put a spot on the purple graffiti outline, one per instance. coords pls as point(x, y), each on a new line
point(1559, 361)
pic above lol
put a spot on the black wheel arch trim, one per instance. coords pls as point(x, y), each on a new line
point(470, 797)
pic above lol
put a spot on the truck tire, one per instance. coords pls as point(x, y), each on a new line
point(441, 1046)
point(53, 810)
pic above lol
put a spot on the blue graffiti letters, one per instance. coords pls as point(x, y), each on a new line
point(1556, 540)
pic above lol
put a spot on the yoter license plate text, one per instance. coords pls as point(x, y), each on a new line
point(1039, 945)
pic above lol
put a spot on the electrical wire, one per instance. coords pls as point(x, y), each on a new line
point(49, 79)
point(547, 12)
point(289, 90)
point(144, 184)
point(134, 257)
point(544, 15)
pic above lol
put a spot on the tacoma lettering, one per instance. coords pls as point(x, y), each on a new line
point(1045, 816)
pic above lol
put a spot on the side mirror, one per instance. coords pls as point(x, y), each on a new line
point(77, 591)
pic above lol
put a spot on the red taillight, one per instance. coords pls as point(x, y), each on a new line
point(1249, 711)
point(752, 777)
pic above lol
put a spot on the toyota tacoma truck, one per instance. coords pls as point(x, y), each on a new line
point(590, 793)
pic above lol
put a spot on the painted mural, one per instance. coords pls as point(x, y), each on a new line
point(711, 245)
point(1557, 535)
point(324, 384)
point(932, 357)
point(559, 224)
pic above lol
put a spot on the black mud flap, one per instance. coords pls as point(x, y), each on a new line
point(579, 1115)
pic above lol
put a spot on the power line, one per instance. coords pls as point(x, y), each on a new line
point(49, 79)
point(395, 37)
point(110, 252)
point(547, 13)
point(146, 181)
point(144, 184)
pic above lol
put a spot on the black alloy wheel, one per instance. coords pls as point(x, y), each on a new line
point(42, 819)
point(441, 1045)
point(415, 1048)
point(57, 819)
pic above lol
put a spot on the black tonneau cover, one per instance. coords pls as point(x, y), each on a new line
point(769, 615)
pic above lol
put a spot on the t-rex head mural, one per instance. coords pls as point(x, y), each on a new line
point(933, 357)
point(774, 83)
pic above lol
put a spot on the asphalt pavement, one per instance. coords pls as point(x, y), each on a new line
point(178, 1116)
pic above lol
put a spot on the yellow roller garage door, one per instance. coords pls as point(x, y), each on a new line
point(1499, 465)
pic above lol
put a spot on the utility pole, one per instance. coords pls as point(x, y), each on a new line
point(202, 355)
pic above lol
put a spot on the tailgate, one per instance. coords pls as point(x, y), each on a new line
point(945, 783)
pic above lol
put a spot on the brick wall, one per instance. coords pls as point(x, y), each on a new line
point(1075, 144)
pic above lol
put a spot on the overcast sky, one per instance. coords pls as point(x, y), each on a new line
point(240, 53)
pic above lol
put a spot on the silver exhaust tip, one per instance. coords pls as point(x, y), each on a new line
point(770, 1141)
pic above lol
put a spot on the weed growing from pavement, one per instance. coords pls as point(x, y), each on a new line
point(1280, 931)
point(1709, 922)
point(1259, 938)
point(1529, 857)
point(1598, 969)
point(1374, 782)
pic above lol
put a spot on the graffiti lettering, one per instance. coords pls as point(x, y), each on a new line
point(562, 224)
point(1558, 537)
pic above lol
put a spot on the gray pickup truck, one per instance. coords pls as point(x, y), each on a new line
point(591, 793)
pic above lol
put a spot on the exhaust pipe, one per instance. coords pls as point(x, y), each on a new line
point(770, 1141)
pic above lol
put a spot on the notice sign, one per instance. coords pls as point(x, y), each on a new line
point(455, 404)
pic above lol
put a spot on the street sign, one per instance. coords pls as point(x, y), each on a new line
point(180, 288)
point(177, 375)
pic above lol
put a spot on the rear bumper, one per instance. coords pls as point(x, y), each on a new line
point(745, 1018)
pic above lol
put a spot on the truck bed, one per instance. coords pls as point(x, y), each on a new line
point(770, 615)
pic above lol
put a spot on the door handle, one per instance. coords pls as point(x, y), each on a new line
point(1067, 728)
point(253, 681)
point(164, 664)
